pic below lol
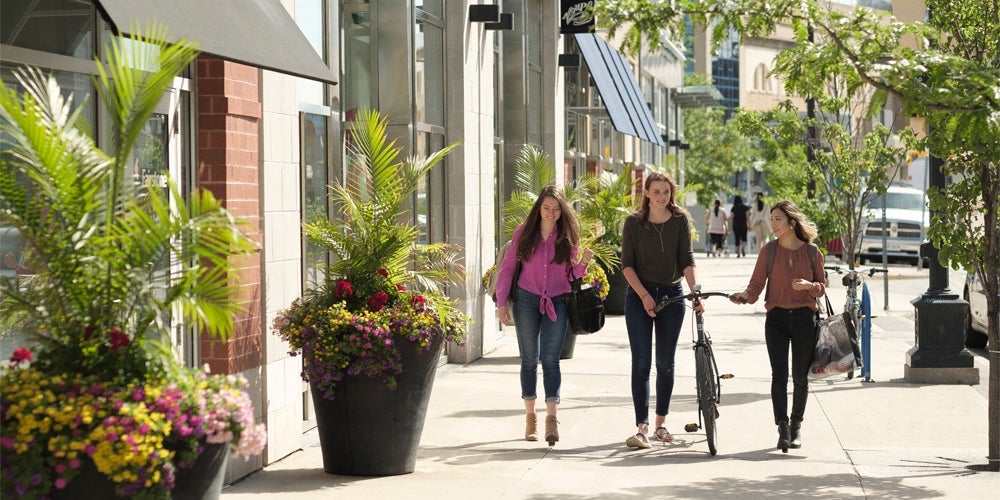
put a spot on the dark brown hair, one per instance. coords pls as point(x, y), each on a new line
point(567, 227)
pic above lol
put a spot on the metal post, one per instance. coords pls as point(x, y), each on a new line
point(939, 354)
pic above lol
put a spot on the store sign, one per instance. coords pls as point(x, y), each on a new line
point(577, 16)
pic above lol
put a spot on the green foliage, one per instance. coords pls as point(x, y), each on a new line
point(718, 151)
point(373, 231)
point(107, 254)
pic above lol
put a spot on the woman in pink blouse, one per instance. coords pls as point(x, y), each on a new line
point(546, 247)
point(793, 283)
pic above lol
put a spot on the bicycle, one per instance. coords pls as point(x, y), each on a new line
point(858, 306)
point(707, 378)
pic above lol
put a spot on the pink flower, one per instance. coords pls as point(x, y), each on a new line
point(378, 300)
point(119, 338)
point(343, 289)
point(383, 272)
point(20, 354)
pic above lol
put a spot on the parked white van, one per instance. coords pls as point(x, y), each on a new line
point(905, 226)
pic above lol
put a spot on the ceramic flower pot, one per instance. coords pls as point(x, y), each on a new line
point(371, 430)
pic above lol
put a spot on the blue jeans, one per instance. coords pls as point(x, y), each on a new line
point(640, 340)
point(795, 327)
point(539, 338)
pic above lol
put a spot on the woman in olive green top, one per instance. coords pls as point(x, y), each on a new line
point(656, 256)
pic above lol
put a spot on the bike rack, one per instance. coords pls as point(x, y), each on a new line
point(866, 333)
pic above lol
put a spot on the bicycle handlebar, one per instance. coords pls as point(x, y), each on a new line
point(871, 271)
point(695, 296)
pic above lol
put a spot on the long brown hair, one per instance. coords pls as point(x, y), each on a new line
point(567, 227)
point(804, 228)
point(672, 205)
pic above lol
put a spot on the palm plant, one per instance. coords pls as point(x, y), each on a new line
point(111, 261)
point(371, 232)
point(106, 253)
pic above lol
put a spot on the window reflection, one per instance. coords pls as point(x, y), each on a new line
point(315, 206)
point(64, 27)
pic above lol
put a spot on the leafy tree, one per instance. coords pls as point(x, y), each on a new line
point(946, 69)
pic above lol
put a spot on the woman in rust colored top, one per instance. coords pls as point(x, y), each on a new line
point(791, 270)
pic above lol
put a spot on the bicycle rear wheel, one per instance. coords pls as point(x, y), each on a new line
point(707, 391)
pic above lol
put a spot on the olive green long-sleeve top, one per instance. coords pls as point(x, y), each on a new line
point(658, 253)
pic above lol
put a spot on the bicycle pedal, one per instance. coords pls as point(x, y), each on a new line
point(726, 375)
point(691, 428)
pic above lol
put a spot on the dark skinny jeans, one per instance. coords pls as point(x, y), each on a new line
point(795, 327)
point(640, 340)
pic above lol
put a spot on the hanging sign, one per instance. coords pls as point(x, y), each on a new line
point(576, 16)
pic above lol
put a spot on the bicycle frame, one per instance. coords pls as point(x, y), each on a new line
point(707, 378)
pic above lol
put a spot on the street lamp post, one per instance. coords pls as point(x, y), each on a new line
point(939, 354)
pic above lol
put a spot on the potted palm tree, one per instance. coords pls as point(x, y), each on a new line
point(95, 405)
point(609, 202)
point(371, 334)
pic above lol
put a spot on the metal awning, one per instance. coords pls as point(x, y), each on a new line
point(696, 96)
point(618, 88)
point(260, 33)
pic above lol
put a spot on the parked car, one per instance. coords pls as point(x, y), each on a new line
point(905, 226)
point(976, 326)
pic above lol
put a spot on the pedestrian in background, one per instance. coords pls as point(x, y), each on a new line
point(739, 221)
point(760, 216)
point(717, 221)
point(792, 283)
point(547, 246)
point(656, 256)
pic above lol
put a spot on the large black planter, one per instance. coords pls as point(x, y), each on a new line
point(370, 430)
point(569, 346)
point(202, 481)
point(614, 304)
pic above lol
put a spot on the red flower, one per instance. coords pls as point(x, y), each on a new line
point(378, 300)
point(401, 287)
point(384, 272)
point(88, 332)
point(119, 339)
point(20, 354)
point(418, 301)
point(343, 289)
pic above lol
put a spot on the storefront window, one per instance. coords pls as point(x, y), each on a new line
point(315, 205)
point(310, 17)
point(356, 77)
point(429, 68)
point(33, 25)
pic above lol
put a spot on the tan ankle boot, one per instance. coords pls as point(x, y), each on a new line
point(551, 429)
point(531, 427)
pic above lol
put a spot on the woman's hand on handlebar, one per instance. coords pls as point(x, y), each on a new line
point(738, 298)
point(698, 306)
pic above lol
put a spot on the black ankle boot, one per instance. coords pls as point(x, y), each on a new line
point(795, 436)
point(783, 438)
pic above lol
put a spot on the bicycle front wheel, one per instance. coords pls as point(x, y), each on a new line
point(707, 391)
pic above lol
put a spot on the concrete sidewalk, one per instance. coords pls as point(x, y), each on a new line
point(881, 439)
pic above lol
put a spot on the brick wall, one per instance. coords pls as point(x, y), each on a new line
point(228, 138)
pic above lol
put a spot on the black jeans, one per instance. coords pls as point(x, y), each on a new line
point(796, 327)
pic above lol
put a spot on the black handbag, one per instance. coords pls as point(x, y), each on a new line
point(586, 309)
